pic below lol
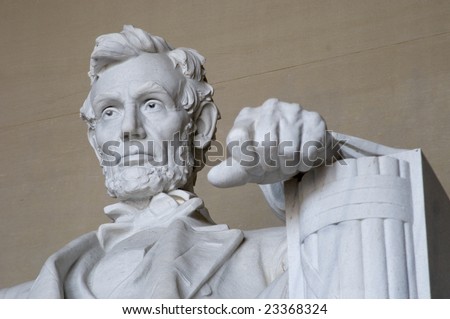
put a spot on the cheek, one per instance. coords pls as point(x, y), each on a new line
point(165, 127)
point(105, 132)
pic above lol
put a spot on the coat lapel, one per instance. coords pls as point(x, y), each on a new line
point(180, 262)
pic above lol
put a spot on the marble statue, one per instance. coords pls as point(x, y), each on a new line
point(151, 117)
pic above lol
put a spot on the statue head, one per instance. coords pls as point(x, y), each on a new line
point(148, 110)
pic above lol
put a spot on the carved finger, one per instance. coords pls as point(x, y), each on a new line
point(229, 173)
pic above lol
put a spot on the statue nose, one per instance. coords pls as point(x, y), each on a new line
point(132, 127)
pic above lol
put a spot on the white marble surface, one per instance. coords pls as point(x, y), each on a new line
point(161, 242)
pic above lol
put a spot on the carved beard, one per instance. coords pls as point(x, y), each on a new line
point(145, 181)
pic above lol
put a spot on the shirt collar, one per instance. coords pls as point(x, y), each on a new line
point(163, 209)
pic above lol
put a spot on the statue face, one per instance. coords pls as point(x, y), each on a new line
point(135, 104)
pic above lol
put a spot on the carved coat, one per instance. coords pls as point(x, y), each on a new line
point(171, 249)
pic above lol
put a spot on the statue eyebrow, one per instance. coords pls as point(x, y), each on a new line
point(149, 87)
point(103, 97)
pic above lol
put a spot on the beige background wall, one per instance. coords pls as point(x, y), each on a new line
point(375, 69)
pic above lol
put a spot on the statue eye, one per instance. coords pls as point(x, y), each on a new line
point(109, 112)
point(152, 105)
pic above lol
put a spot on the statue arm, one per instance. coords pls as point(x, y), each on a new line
point(19, 291)
point(277, 141)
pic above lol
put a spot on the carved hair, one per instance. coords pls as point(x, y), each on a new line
point(131, 42)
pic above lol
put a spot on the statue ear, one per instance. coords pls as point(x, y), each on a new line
point(206, 125)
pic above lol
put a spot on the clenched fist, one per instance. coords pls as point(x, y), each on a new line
point(271, 143)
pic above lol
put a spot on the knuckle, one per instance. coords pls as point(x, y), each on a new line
point(238, 133)
point(246, 111)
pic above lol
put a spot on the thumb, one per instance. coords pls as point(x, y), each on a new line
point(229, 173)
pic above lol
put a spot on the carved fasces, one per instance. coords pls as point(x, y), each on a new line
point(355, 228)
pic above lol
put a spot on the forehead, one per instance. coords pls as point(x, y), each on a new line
point(145, 68)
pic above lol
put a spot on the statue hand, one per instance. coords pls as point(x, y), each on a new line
point(271, 143)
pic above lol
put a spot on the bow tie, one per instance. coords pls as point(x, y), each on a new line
point(162, 210)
